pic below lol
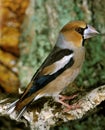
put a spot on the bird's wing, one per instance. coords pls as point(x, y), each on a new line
point(57, 62)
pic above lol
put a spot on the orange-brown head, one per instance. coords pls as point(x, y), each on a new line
point(77, 31)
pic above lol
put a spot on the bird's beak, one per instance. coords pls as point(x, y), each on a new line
point(90, 32)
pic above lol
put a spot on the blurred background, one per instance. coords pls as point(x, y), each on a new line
point(28, 31)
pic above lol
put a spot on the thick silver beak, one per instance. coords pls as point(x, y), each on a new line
point(90, 32)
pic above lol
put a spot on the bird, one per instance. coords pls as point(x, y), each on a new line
point(59, 69)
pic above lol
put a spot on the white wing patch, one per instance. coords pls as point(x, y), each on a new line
point(61, 63)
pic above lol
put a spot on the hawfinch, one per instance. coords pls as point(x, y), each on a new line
point(60, 68)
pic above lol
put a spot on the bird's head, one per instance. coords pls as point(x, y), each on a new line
point(78, 31)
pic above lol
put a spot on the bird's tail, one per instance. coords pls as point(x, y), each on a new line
point(20, 105)
point(12, 108)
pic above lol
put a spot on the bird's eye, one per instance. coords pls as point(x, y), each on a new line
point(80, 30)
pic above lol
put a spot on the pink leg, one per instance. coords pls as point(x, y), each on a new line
point(62, 97)
point(68, 107)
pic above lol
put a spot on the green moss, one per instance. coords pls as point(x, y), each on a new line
point(65, 11)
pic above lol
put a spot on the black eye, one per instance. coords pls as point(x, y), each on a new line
point(80, 30)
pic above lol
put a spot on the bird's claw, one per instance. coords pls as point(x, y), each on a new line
point(63, 98)
point(71, 107)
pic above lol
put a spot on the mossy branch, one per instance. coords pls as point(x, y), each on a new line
point(52, 113)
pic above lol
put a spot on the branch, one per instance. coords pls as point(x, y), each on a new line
point(52, 113)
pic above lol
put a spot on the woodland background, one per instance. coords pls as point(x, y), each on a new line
point(28, 31)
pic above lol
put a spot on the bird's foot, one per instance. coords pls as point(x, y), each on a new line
point(63, 98)
point(68, 107)
point(72, 107)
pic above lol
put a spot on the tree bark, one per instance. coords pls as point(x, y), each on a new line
point(46, 113)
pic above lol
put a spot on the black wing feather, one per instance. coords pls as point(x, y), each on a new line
point(39, 81)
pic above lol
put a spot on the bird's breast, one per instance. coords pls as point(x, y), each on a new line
point(62, 81)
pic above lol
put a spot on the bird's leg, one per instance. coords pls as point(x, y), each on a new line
point(68, 107)
point(63, 98)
